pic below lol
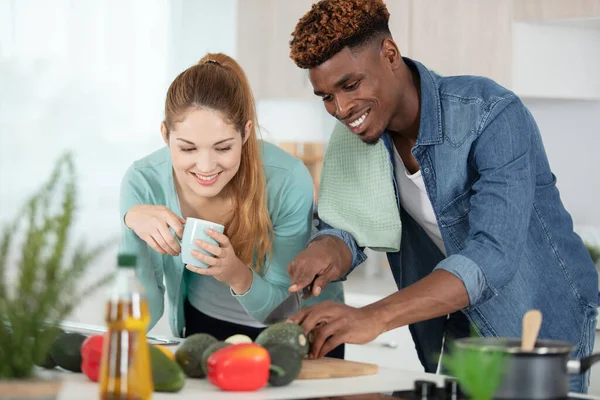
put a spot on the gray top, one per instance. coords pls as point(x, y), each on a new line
point(214, 299)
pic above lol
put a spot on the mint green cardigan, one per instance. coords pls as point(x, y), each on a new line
point(290, 205)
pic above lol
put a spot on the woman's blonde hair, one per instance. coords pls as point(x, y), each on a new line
point(218, 83)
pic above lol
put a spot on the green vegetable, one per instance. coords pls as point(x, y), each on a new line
point(47, 361)
point(167, 375)
point(286, 364)
point(189, 354)
point(287, 333)
point(66, 351)
point(209, 352)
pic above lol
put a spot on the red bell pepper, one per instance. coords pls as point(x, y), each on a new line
point(239, 367)
point(91, 356)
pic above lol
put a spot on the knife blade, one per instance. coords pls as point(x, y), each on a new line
point(288, 307)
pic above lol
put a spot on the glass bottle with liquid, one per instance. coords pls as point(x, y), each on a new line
point(125, 372)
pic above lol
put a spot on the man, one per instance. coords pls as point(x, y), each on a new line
point(484, 235)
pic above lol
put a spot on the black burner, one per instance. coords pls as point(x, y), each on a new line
point(428, 390)
point(423, 390)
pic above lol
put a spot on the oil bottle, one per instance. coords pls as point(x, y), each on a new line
point(125, 372)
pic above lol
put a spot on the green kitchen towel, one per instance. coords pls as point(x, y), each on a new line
point(357, 191)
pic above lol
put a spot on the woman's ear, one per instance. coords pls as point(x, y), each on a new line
point(165, 132)
point(247, 130)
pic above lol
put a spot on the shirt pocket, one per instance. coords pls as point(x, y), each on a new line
point(454, 218)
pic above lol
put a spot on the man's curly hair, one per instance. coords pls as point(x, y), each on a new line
point(331, 25)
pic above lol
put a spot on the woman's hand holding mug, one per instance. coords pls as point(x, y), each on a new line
point(218, 259)
point(151, 223)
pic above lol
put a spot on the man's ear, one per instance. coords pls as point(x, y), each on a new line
point(247, 130)
point(165, 132)
point(391, 53)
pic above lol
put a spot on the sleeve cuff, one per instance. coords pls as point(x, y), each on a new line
point(358, 255)
point(253, 300)
point(471, 275)
point(332, 232)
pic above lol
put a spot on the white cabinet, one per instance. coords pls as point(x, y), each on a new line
point(540, 71)
point(264, 32)
point(461, 37)
point(548, 10)
point(537, 48)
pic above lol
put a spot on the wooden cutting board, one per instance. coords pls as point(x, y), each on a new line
point(324, 368)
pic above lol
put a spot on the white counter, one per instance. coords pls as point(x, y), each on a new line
point(77, 387)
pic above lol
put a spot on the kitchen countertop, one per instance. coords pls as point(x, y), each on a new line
point(77, 387)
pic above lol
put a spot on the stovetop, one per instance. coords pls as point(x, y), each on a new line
point(422, 390)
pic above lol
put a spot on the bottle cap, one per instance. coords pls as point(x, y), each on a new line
point(126, 260)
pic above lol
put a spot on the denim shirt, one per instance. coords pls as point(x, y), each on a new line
point(506, 232)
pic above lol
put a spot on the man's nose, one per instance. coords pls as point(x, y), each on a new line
point(343, 107)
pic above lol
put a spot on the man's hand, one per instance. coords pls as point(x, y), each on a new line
point(330, 324)
point(326, 259)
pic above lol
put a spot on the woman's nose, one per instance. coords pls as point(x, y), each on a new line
point(205, 165)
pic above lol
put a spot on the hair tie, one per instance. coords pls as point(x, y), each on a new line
point(212, 62)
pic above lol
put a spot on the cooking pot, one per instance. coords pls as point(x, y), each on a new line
point(539, 374)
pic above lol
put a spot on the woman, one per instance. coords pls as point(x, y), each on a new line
point(214, 168)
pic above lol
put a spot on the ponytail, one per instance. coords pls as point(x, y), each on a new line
point(218, 83)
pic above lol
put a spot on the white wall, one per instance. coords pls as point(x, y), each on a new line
point(91, 76)
point(571, 135)
point(294, 120)
point(198, 27)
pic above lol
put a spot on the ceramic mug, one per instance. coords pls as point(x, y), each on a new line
point(196, 229)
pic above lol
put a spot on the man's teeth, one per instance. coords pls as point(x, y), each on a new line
point(206, 178)
point(359, 121)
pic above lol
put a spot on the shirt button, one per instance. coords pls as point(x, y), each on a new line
point(426, 170)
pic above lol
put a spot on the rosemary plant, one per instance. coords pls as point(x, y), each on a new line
point(44, 285)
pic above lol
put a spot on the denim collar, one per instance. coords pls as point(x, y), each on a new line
point(430, 122)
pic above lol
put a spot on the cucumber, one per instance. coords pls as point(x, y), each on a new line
point(167, 375)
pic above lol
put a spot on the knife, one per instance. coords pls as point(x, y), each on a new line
point(288, 307)
point(89, 330)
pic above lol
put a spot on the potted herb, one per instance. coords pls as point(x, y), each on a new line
point(479, 373)
point(594, 253)
point(39, 283)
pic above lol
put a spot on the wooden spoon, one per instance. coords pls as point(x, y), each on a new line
point(531, 327)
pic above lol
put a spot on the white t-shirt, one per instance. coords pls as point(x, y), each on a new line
point(415, 201)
